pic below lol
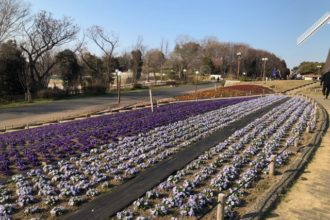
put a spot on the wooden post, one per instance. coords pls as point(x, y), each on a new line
point(308, 129)
point(296, 142)
point(271, 166)
point(151, 101)
point(27, 126)
point(315, 116)
point(221, 207)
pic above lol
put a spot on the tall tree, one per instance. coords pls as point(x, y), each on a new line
point(164, 48)
point(69, 69)
point(207, 66)
point(309, 67)
point(41, 36)
point(124, 61)
point(12, 64)
point(154, 60)
point(92, 71)
point(188, 54)
point(12, 14)
point(136, 65)
point(107, 43)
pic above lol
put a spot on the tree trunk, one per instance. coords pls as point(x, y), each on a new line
point(154, 73)
point(28, 96)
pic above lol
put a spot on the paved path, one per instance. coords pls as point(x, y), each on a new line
point(309, 197)
point(69, 107)
point(110, 203)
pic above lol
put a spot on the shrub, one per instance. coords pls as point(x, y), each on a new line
point(51, 93)
point(98, 89)
point(138, 86)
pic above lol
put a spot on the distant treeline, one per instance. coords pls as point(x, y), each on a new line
point(32, 50)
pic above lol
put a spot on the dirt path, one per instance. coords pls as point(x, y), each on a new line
point(309, 197)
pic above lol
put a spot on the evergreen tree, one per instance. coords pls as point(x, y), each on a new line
point(12, 65)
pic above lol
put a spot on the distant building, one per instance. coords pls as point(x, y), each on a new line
point(215, 77)
point(311, 76)
point(55, 82)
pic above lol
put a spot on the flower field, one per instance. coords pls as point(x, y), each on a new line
point(230, 167)
point(70, 164)
point(26, 149)
point(230, 91)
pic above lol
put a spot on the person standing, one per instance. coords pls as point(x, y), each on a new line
point(325, 83)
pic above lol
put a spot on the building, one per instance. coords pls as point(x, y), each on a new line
point(215, 77)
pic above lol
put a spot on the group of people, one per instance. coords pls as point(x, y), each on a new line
point(325, 83)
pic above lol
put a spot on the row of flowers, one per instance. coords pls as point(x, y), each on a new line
point(25, 149)
point(78, 179)
point(191, 190)
point(229, 91)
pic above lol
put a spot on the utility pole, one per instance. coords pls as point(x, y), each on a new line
point(239, 54)
point(264, 59)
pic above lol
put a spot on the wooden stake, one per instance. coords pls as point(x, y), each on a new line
point(221, 207)
point(272, 165)
point(151, 101)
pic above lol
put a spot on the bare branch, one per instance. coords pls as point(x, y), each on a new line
point(11, 14)
point(42, 36)
point(106, 42)
point(140, 46)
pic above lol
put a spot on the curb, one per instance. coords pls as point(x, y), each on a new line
point(272, 196)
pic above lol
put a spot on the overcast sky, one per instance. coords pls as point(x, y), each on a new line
point(272, 25)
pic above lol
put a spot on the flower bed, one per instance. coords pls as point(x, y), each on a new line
point(27, 148)
point(56, 188)
point(237, 162)
point(230, 91)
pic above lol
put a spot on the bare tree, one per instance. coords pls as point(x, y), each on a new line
point(12, 12)
point(42, 35)
point(107, 43)
point(139, 45)
point(188, 54)
point(164, 48)
point(154, 59)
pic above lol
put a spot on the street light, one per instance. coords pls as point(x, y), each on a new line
point(118, 73)
point(197, 72)
point(239, 54)
point(264, 59)
point(163, 74)
point(184, 73)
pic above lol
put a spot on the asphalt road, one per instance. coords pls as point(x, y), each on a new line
point(129, 97)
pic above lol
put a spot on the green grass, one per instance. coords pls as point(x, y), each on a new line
point(22, 103)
